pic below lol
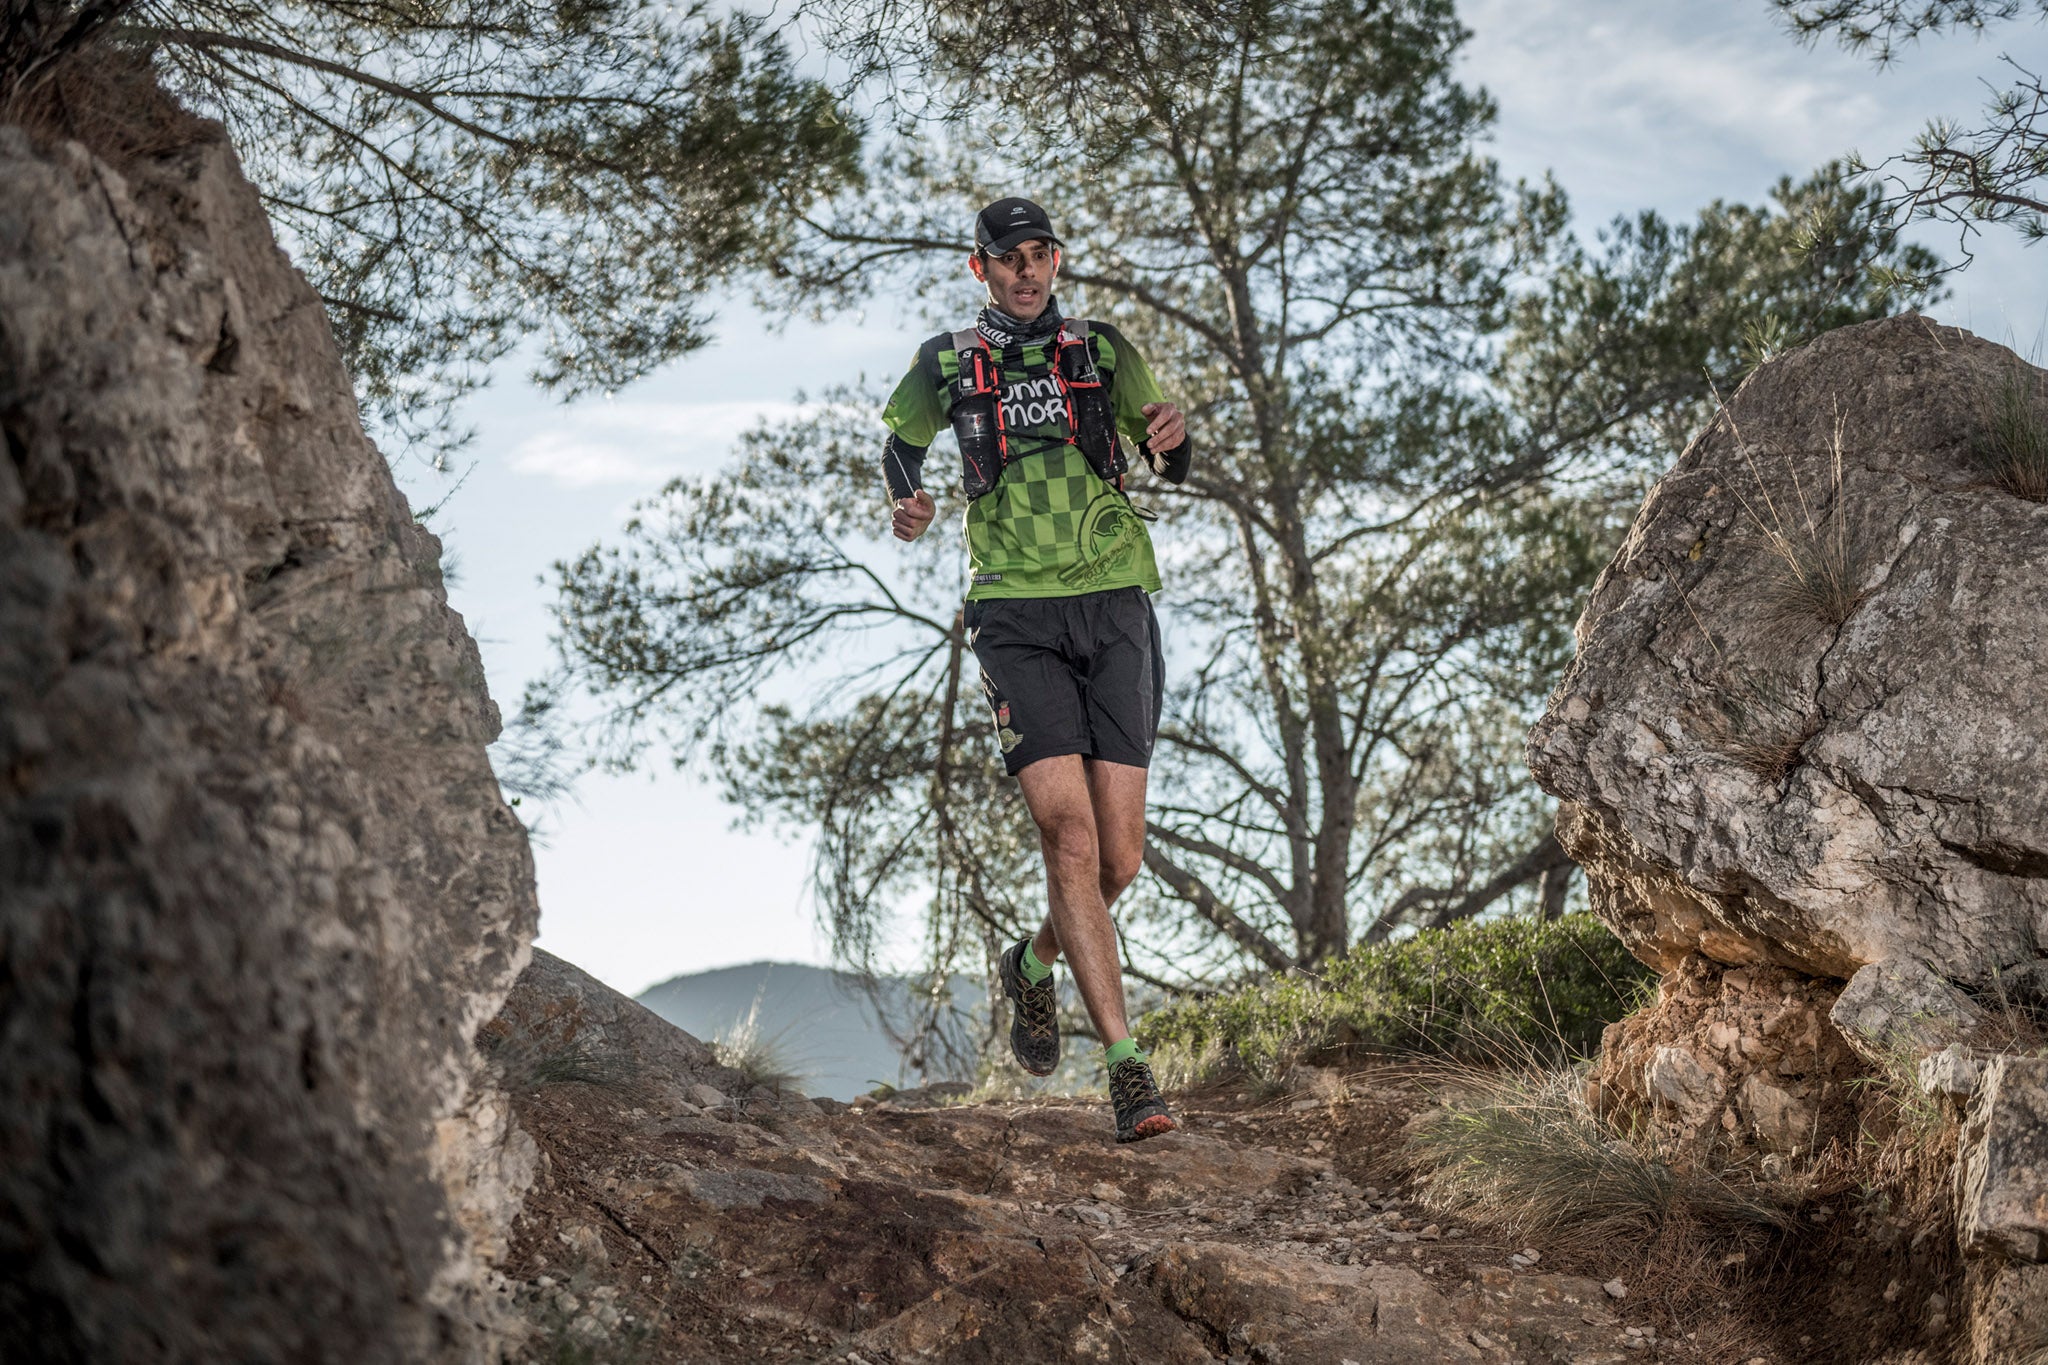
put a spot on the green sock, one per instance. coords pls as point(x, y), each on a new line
point(1121, 1050)
point(1034, 970)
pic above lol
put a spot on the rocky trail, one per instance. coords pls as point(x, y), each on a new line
point(674, 1221)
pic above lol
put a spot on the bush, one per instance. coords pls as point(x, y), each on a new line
point(1503, 988)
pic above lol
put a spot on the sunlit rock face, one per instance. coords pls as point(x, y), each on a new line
point(258, 888)
point(1800, 756)
point(1846, 771)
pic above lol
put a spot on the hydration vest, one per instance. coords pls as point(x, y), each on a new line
point(974, 405)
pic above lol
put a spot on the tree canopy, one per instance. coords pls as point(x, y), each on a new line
point(1423, 411)
point(463, 176)
point(1967, 177)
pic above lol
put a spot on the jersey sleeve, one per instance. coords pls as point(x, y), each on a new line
point(914, 414)
point(915, 411)
point(1132, 386)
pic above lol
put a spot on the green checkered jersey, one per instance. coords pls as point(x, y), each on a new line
point(1050, 527)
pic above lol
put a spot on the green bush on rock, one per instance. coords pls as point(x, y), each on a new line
point(1495, 989)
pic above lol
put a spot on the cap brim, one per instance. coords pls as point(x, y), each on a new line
point(1018, 238)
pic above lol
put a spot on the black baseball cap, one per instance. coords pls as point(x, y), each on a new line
point(1009, 223)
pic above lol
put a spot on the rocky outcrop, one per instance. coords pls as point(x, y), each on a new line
point(257, 885)
point(1802, 728)
point(1759, 774)
point(1799, 756)
point(560, 1022)
point(1738, 1056)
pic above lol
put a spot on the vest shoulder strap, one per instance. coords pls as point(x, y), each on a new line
point(968, 340)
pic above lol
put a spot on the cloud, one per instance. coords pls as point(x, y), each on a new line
point(640, 444)
point(1658, 105)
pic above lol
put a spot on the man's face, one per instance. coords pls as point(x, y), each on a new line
point(1020, 280)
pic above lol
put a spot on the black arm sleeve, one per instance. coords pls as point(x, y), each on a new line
point(1171, 465)
point(902, 466)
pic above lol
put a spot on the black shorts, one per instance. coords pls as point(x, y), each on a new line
point(1070, 675)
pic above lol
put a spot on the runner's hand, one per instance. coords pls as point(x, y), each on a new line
point(1165, 428)
point(912, 515)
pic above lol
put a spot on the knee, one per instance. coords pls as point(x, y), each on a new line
point(1120, 867)
point(1069, 835)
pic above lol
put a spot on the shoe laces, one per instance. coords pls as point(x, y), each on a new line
point(1131, 1084)
point(1040, 1012)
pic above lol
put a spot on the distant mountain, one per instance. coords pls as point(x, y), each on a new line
point(825, 1024)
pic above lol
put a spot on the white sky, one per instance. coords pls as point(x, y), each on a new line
point(1664, 104)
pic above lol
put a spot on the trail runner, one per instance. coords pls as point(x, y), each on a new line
point(1058, 611)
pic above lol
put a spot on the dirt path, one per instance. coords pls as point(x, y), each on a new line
point(797, 1230)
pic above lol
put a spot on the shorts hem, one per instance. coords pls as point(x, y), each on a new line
point(1012, 765)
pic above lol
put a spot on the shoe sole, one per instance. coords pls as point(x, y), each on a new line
point(1151, 1127)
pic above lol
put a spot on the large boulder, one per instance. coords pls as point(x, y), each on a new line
point(1799, 756)
point(258, 888)
point(1804, 728)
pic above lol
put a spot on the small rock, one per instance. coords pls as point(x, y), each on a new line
point(1533, 1254)
point(1482, 1341)
point(1106, 1192)
point(1430, 1233)
point(710, 1096)
point(1614, 1289)
point(1303, 1106)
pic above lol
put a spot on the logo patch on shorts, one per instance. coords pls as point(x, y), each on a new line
point(1002, 713)
point(1008, 738)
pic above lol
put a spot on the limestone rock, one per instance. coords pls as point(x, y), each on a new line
point(1955, 1072)
point(560, 1022)
point(1901, 1005)
point(257, 885)
point(1680, 1082)
point(1292, 1308)
point(1757, 780)
point(2002, 1162)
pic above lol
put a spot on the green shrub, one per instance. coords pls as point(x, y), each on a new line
point(1500, 989)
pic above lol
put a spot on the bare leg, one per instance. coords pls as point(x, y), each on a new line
point(1091, 829)
point(1116, 791)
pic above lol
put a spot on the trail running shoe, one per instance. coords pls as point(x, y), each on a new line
point(1140, 1113)
point(1035, 1016)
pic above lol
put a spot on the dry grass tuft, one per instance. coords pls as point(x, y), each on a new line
point(1820, 560)
point(106, 97)
point(1521, 1148)
point(2014, 443)
point(528, 1065)
point(763, 1059)
point(1759, 728)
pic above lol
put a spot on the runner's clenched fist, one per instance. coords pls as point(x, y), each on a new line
point(912, 515)
point(1165, 429)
